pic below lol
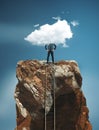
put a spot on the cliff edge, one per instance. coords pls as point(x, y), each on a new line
point(49, 97)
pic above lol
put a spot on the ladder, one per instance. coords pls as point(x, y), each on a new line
point(53, 76)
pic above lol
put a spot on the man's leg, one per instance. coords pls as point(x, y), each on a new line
point(48, 54)
point(52, 54)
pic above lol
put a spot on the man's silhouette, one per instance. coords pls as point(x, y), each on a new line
point(50, 48)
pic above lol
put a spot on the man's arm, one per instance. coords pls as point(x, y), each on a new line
point(54, 46)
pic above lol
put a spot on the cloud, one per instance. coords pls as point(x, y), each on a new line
point(56, 33)
point(7, 96)
point(56, 18)
point(36, 25)
point(74, 23)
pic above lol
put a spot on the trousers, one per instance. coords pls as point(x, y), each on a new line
point(52, 55)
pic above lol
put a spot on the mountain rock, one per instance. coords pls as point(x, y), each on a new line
point(49, 97)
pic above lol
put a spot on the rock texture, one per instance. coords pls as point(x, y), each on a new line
point(41, 88)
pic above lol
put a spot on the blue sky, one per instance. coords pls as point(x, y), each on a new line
point(17, 20)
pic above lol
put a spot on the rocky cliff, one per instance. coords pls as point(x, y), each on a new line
point(49, 97)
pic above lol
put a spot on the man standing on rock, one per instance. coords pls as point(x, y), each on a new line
point(50, 48)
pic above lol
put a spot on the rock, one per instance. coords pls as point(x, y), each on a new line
point(49, 97)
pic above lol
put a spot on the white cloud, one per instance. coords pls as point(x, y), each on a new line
point(74, 23)
point(56, 18)
point(56, 33)
point(36, 25)
point(7, 96)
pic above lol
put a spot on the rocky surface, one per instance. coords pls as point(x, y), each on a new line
point(49, 97)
